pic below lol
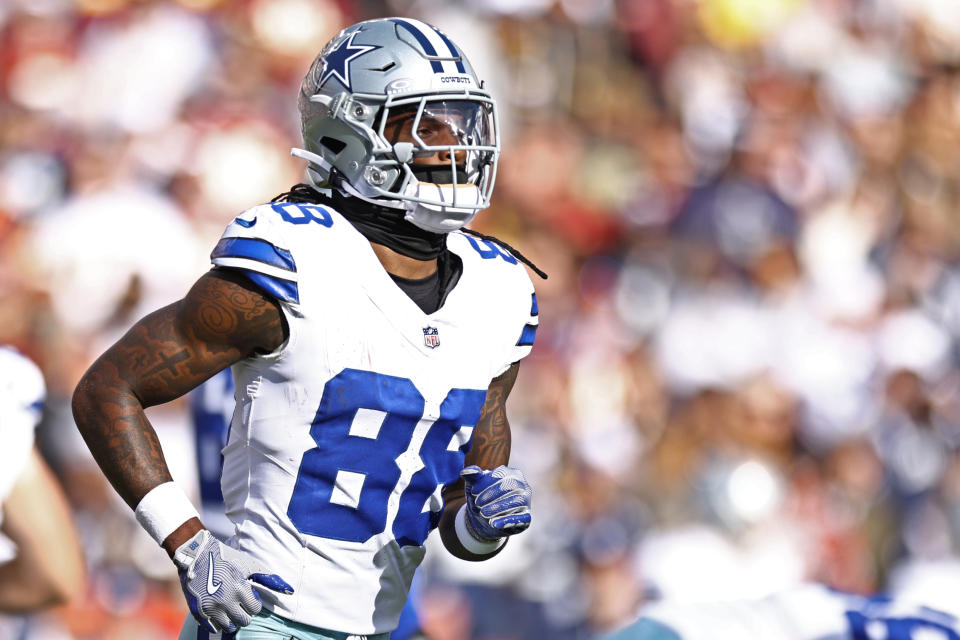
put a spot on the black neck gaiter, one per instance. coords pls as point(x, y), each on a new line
point(388, 227)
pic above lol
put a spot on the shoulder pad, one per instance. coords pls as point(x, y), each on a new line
point(255, 243)
point(509, 277)
point(263, 243)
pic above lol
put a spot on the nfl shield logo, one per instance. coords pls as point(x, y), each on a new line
point(430, 337)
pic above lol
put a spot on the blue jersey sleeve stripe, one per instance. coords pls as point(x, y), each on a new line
point(424, 42)
point(453, 50)
point(277, 287)
point(534, 309)
point(254, 249)
point(527, 336)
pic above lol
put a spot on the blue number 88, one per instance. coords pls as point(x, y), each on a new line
point(344, 485)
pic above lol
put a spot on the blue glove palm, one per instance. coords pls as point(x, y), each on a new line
point(218, 582)
point(498, 502)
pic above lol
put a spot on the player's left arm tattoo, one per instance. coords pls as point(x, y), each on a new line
point(490, 449)
point(491, 436)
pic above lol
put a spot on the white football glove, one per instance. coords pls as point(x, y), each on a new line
point(498, 502)
point(218, 582)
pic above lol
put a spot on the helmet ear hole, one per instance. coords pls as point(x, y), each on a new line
point(336, 146)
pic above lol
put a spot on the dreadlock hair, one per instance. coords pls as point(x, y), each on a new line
point(303, 192)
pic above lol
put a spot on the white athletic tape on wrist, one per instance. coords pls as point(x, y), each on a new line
point(163, 510)
point(470, 543)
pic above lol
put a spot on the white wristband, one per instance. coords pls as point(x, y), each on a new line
point(163, 510)
point(471, 544)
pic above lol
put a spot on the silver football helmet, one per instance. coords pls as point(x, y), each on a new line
point(393, 113)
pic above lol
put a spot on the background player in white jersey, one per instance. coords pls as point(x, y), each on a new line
point(41, 564)
point(807, 612)
point(373, 345)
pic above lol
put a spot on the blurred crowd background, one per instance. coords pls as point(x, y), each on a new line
point(747, 373)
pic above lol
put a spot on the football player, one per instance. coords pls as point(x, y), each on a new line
point(373, 344)
point(41, 564)
point(807, 612)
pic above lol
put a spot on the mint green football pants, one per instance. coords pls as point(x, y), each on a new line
point(268, 626)
point(645, 629)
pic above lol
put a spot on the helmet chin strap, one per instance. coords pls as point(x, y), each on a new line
point(429, 217)
point(460, 202)
point(350, 190)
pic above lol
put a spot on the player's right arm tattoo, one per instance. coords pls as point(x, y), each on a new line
point(221, 320)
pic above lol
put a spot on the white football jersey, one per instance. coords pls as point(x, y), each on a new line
point(343, 438)
point(806, 612)
point(22, 393)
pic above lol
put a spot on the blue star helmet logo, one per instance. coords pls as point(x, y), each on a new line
point(336, 64)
